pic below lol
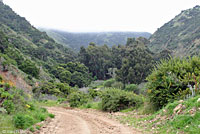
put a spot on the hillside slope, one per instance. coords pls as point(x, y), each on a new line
point(76, 40)
point(181, 34)
point(25, 47)
point(31, 38)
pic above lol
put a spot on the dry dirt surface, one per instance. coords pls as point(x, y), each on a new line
point(76, 121)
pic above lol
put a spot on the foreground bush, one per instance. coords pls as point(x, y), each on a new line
point(77, 99)
point(23, 121)
point(27, 118)
point(170, 79)
point(116, 100)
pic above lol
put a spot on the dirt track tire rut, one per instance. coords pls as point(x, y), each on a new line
point(76, 121)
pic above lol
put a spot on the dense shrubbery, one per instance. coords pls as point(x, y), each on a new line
point(92, 93)
point(116, 100)
point(73, 73)
point(11, 99)
point(16, 103)
point(170, 79)
point(9, 106)
point(132, 87)
point(13, 56)
point(23, 120)
point(58, 89)
point(77, 99)
point(30, 68)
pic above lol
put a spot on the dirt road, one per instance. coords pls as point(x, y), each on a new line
point(76, 121)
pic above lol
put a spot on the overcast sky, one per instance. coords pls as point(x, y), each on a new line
point(100, 15)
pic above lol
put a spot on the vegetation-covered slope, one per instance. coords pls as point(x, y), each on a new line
point(29, 40)
point(181, 34)
point(76, 40)
point(31, 51)
point(31, 55)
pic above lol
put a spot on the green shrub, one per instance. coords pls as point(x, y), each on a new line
point(77, 99)
point(88, 105)
point(133, 88)
point(44, 110)
point(14, 103)
point(7, 86)
point(6, 95)
point(109, 82)
point(19, 121)
point(118, 85)
point(9, 106)
point(93, 93)
point(41, 117)
point(38, 127)
point(53, 88)
point(32, 129)
point(51, 115)
point(32, 106)
point(96, 84)
point(1, 79)
point(116, 100)
point(30, 68)
point(92, 105)
point(169, 80)
point(22, 121)
point(61, 100)
point(29, 120)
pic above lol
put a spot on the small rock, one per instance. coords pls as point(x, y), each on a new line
point(3, 110)
point(179, 111)
point(158, 123)
point(198, 100)
point(164, 111)
point(180, 101)
point(198, 126)
point(179, 108)
point(184, 107)
point(192, 111)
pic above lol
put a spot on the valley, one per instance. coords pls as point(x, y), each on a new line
point(76, 40)
point(57, 82)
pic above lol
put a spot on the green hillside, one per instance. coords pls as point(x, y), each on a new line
point(29, 40)
point(76, 40)
point(180, 35)
point(35, 53)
